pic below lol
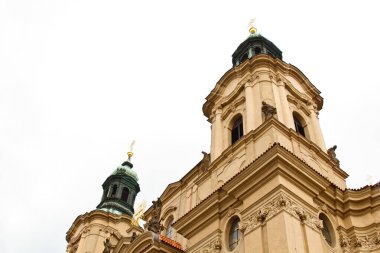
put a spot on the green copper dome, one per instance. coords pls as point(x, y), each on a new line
point(120, 190)
point(126, 170)
point(254, 45)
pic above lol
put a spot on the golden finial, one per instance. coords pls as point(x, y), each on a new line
point(252, 29)
point(130, 153)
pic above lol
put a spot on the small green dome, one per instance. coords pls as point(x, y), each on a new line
point(126, 170)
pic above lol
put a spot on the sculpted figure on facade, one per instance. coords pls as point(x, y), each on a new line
point(107, 246)
point(205, 163)
point(268, 110)
point(332, 154)
point(154, 224)
point(133, 237)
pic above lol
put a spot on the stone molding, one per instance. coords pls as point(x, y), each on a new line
point(278, 204)
point(212, 246)
point(354, 242)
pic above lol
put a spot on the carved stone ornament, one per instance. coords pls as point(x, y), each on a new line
point(279, 204)
point(107, 246)
point(133, 237)
point(154, 224)
point(262, 215)
point(217, 245)
point(213, 246)
point(231, 211)
point(353, 243)
point(268, 110)
point(205, 163)
point(332, 154)
point(344, 241)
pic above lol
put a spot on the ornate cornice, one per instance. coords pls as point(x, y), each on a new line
point(352, 241)
point(260, 61)
point(93, 215)
point(280, 203)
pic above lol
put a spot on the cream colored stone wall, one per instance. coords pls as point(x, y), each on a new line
point(90, 230)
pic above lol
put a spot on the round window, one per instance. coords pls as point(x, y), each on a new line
point(234, 234)
point(327, 230)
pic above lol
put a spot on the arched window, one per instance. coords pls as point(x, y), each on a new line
point(327, 230)
point(244, 57)
point(169, 228)
point(257, 50)
point(114, 190)
point(105, 193)
point(237, 130)
point(234, 234)
point(298, 125)
point(124, 194)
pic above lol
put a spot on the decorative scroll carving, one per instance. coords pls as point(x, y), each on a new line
point(154, 224)
point(278, 204)
point(268, 110)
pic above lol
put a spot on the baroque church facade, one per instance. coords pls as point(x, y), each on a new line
point(269, 184)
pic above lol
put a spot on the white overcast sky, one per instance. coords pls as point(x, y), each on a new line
point(81, 79)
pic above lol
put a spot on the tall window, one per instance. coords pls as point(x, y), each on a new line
point(237, 130)
point(327, 230)
point(124, 194)
point(234, 235)
point(298, 125)
point(169, 228)
point(114, 190)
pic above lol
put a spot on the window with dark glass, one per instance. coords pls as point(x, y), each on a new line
point(234, 235)
point(257, 50)
point(124, 194)
point(298, 125)
point(237, 130)
point(326, 230)
point(114, 189)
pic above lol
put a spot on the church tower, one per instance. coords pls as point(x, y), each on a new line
point(101, 229)
point(268, 185)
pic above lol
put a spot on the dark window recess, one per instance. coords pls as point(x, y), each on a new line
point(114, 189)
point(257, 50)
point(234, 235)
point(299, 127)
point(105, 194)
point(124, 194)
point(327, 230)
point(244, 57)
point(237, 130)
point(326, 233)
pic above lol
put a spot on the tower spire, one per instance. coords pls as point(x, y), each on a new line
point(251, 28)
point(130, 152)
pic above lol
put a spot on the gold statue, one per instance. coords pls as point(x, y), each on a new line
point(139, 213)
point(251, 28)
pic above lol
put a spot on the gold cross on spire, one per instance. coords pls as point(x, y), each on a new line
point(251, 28)
point(130, 153)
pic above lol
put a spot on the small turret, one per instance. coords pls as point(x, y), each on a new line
point(120, 189)
point(254, 45)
